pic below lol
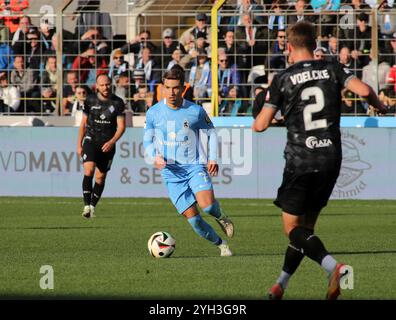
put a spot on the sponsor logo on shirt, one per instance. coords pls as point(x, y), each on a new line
point(315, 143)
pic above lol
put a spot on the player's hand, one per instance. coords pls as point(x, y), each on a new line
point(159, 162)
point(108, 146)
point(213, 168)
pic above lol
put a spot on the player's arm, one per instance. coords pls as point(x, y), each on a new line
point(264, 118)
point(270, 108)
point(81, 133)
point(213, 167)
point(207, 124)
point(109, 145)
point(360, 88)
point(152, 155)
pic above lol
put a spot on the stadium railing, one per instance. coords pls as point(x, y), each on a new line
point(162, 15)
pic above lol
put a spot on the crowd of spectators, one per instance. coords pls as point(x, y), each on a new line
point(252, 48)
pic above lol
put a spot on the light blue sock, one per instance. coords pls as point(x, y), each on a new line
point(214, 210)
point(204, 229)
point(329, 264)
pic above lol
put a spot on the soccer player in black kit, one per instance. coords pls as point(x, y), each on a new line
point(102, 125)
point(308, 94)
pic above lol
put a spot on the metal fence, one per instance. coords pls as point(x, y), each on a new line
point(48, 72)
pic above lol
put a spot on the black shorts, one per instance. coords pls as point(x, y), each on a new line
point(93, 152)
point(307, 193)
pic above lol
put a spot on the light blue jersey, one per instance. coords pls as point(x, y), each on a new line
point(182, 137)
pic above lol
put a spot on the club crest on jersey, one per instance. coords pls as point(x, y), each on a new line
point(315, 143)
point(186, 124)
point(111, 109)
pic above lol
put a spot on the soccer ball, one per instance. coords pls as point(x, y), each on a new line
point(161, 245)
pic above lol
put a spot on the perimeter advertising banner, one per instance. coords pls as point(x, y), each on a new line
point(43, 162)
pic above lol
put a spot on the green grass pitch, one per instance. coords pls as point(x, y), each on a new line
point(107, 257)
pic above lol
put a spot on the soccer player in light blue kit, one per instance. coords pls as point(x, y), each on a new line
point(173, 143)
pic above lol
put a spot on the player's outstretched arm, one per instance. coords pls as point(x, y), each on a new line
point(109, 145)
point(81, 134)
point(264, 119)
point(360, 88)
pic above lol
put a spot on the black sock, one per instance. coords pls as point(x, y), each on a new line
point(293, 258)
point(96, 194)
point(312, 246)
point(87, 189)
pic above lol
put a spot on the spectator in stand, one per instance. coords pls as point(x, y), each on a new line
point(11, 11)
point(200, 27)
point(47, 31)
point(138, 78)
point(79, 103)
point(277, 19)
point(139, 103)
point(69, 92)
point(23, 79)
point(332, 49)
point(362, 43)
point(200, 76)
point(34, 53)
point(123, 89)
point(278, 53)
point(347, 32)
point(9, 95)
point(301, 9)
point(231, 105)
point(376, 74)
point(89, 66)
point(49, 82)
point(176, 59)
point(253, 41)
point(253, 9)
point(233, 50)
point(19, 39)
point(118, 65)
point(168, 47)
point(389, 52)
point(228, 75)
point(345, 57)
point(137, 45)
point(6, 53)
point(320, 53)
point(93, 39)
point(150, 68)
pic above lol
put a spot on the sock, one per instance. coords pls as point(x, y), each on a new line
point(214, 210)
point(328, 263)
point(203, 229)
point(293, 258)
point(87, 189)
point(310, 244)
point(96, 194)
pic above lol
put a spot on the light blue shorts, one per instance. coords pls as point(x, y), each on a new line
point(184, 183)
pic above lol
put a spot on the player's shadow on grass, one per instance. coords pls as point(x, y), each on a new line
point(365, 252)
point(54, 228)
